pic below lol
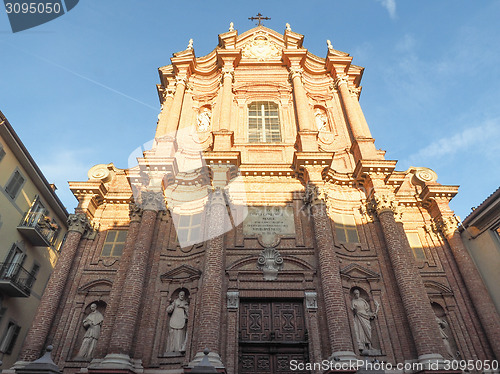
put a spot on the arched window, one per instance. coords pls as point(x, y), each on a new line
point(263, 122)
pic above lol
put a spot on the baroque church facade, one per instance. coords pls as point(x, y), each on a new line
point(263, 224)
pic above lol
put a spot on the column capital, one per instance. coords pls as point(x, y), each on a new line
point(314, 195)
point(295, 71)
point(78, 222)
point(447, 225)
point(152, 200)
point(181, 80)
point(217, 196)
point(355, 92)
point(227, 72)
point(341, 79)
point(135, 212)
point(383, 202)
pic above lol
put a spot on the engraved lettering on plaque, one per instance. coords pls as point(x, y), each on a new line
point(269, 223)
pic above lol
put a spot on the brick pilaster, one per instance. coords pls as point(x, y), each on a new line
point(119, 282)
point(128, 309)
point(488, 315)
point(416, 303)
point(35, 339)
point(211, 297)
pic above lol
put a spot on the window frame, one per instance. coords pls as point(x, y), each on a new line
point(340, 225)
point(266, 129)
point(7, 346)
point(14, 197)
point(114, 243)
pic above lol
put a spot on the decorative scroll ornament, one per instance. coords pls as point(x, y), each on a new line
point(270, 262)
point(78, 222)
point(294, 72)
point(233, 299)
point(261, 49)
point(341, 79)
point(424, 175)
point(135, 212)
point(100, 171)
point(447, 225)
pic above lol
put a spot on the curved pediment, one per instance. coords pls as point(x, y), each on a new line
point(438, 288)
point(99, 286)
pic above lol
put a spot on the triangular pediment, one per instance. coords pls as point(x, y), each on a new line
point(183, 273)
point(356, 271)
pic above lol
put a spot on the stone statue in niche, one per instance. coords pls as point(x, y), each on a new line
point(362, 323)
point(177, 334)
point(204, 120)
point(446, 340)
point(92, 323)
point(321, 119)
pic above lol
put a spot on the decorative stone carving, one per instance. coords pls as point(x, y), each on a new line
point(92, 323)
point(101, 172)
point(135, 212)
point(313, 195)
point(341, 79)
point(362, 323)
point(329, 44)
point(287, 27)
point(447, 225)
point(383, 202)
point(311, 300)
point(178, 310)
point(424, 175)
point(231, 26)
point(203, 120)
point(233, 300)
point(78, 222)
point(261, 49)
point(295, 71)
point(321, 119)
point(152, 200)
point(355, 91)
point(270, 262)
point(190, 44)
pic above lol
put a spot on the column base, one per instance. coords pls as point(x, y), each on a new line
point(432, 361)
point(343, 356)
point(115, 363)
point(213, 358)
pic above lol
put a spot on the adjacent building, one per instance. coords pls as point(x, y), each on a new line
point(480, 232)
point(263, 224)
point(32, 228)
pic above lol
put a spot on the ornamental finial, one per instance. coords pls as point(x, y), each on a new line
point(287, 27)
point(231, 26)
point(190, 44)
point(329, 44)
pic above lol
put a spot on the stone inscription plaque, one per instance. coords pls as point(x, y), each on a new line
point(269, 221)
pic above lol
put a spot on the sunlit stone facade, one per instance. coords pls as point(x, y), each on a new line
point(264, 225)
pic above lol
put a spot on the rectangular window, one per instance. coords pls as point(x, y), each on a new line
point(9, 338)
point(13, 263)
point(345, 228)
point(114, 243)
point(263, 122)
point(416, 246)
point(189, 229)
point(14, 185)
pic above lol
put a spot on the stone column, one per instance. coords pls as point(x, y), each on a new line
point(488, 315)
point(307, 132)
point(211, 297)
point(362, 139)
point(161, 129)
point(331, 283)
point(416, 303)
point(223, 136)
point(171, 122)
point(135, 213)
point(128, 310)
point(34, 341)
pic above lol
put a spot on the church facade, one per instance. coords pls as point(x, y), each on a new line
point(263, 224)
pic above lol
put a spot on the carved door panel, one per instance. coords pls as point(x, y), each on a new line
point(272, 334)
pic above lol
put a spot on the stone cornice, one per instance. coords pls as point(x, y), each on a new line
point(364, 167)
point(438, 191)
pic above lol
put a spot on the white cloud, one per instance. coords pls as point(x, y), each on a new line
point(483, 139)
point(390, 5)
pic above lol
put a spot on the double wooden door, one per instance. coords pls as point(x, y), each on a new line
point(272, 334)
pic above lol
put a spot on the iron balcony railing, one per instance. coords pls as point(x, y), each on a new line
point(42, 225)
point(15, 280)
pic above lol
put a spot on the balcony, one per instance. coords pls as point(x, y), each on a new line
point(38, 229)
point(15, 280)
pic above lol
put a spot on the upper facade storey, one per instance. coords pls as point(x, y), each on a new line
point(264, 88)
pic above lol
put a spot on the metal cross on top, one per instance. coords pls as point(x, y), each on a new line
point(259, 17)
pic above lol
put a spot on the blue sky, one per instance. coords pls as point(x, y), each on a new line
point(80, 90)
